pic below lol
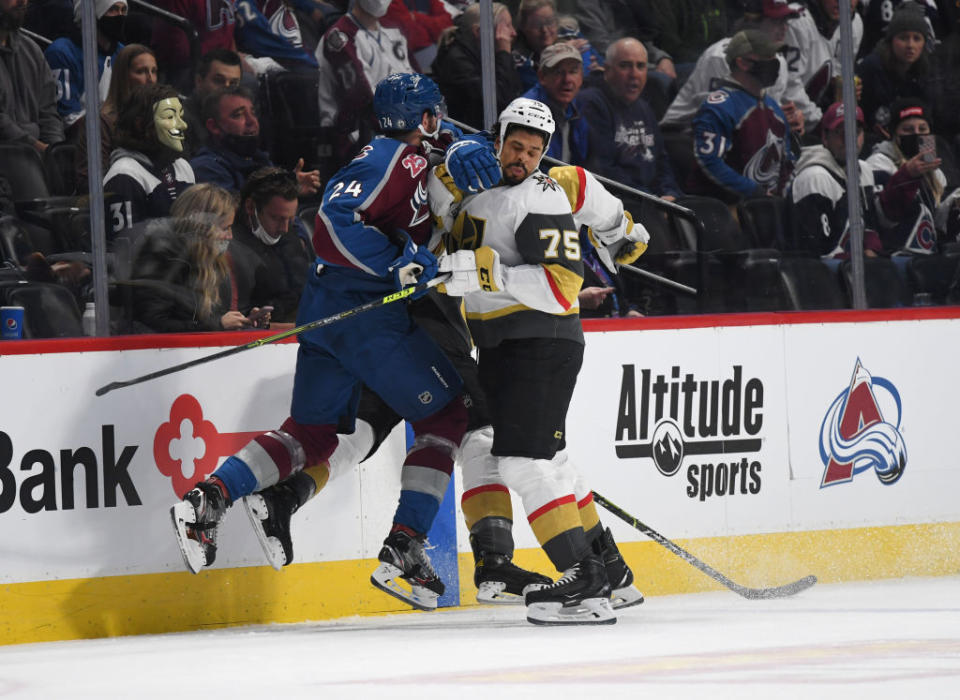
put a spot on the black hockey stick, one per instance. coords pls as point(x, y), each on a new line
point(659, 279)
point(390, 298)
point(749, 593)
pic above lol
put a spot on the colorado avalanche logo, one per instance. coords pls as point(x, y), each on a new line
point(764, 167)
point(854, 435)
point(283, 23)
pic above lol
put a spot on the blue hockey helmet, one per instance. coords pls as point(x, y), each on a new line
point(401, 99)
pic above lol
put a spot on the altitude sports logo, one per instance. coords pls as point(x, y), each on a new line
point(861, 431)
point(715, 423)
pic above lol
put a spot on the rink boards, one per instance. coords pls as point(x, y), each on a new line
point(772, 446)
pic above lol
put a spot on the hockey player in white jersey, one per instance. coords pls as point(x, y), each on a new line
point(515, 256)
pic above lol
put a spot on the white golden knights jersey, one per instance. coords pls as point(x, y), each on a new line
point(532, 228)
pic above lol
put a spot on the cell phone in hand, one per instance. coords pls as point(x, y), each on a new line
point(255, 316)
point(928, 146)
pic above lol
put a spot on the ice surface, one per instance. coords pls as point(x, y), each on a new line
point(857, 641)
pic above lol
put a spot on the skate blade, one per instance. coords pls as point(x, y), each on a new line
point(625, 597)
point(256, 509)
point(191, 550)
point(388, 579)
point(591, 611)
point(495, 593)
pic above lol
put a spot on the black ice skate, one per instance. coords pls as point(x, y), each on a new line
point(500, 581)
point(624, 594)
point(195, 520)
point(403, 558)
point(580, 597)
point(270, 512)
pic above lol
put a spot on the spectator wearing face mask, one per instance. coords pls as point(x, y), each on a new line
point(740, 133)
point(270, 258)
point(233, 150)
point(355, 54)
point(908, 161)
point(65, 58)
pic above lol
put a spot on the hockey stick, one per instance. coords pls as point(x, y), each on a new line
point(658, 279)
point(749, 593)
point(390, 298)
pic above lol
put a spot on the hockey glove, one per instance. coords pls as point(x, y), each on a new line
point(471, 271)
point(473, 165)
point(625, 242)
point(414, 266)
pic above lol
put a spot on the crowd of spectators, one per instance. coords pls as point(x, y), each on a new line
point(731, 100)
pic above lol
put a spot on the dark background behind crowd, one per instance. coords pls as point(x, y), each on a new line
point(216, 147)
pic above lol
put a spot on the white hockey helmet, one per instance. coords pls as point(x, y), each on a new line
point(529, 113)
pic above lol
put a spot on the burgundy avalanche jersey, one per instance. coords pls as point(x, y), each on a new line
point(741, 143)
point(369, 204)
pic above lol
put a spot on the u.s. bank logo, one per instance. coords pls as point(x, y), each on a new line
point(861, 431)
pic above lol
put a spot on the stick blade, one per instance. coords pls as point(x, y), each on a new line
point(784, 591)
point(108, 387)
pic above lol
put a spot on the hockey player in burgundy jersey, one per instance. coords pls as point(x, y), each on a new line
point(367, 236)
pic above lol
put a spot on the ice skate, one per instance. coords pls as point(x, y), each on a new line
point(404, 559)
point(580, 597)
point(195, 520)
point(624, 593)
point(499, 581)
point(270, 512)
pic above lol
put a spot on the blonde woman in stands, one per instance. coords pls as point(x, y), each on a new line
point(181, 275)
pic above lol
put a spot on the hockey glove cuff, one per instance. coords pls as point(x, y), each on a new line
point(471, 271)
point(473, 165)
point(413, 266)
point(625, 242)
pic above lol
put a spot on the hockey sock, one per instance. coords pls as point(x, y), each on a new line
point(492, 535)
point(235, 477)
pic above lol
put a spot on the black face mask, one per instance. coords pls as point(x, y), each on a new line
point(112, 28)
point(245, 146)
point(909, 144)
point(765, 72)
point(12, 20)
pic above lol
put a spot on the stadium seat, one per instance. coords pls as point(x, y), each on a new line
point(930, 277)
point(757, 272)
point(810, 285)
point(49, 310)
point(16, 243)
point(762, 220)
point(720, 229)
point(885, 287)
point(60, 168)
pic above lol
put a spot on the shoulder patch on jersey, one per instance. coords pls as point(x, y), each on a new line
point(545, 182)
point(416, 164)
point(718, 97)
point(336, 40)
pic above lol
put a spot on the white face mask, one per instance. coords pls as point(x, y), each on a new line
point(261, 233)
point(377, 8)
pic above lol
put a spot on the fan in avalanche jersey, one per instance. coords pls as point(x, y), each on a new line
point(741, 138)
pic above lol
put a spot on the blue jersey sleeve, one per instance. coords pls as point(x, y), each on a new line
point(255, 35)
point(344, 234)
point(66, 63)
point(713, 128)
